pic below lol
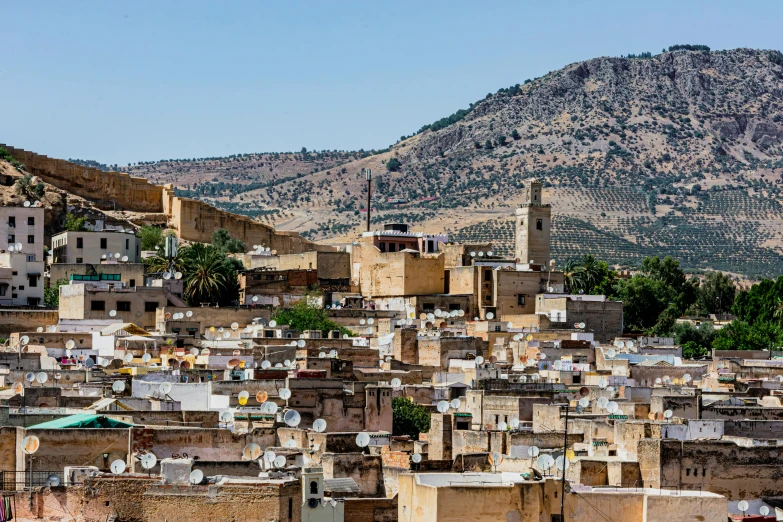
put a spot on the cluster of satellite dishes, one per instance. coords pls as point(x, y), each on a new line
point(116, 255)
point(35, 204)
point(260, 249)
point(481, 254)
point(331, 355)
point(169, 274)
point(579, 326)
point(15, 247)
point(623, 344)
point(40, 378)
point(178, 316)
point(444, 406)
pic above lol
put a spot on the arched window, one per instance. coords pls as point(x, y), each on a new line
point(314, 487)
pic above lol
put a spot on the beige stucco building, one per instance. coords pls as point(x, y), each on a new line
point(21, 281)
point(94, 247)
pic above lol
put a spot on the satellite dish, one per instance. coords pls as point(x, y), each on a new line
point(558, 365)
point(370, 321)
point(658, 380)
point(26, 204)
point(562, 462)
point(29, 376)
point(42, 377)
point(611, 352)
point(533, 451)
point(481, 254)
point(17, 388)
point(269, 456)
point(584, 402)
point(686, 377)
point(582, 326)
point(479, 360)
point(416, 458)
point(455, 403)
point(226, 416)
point(39, 329)
point(301, 343)
point(269, 408)
point(272, 323)
point(361, 322)
point(319, 425)
point(177, 275)
point(265, 365)
point(291, 443)
point(763, 511)
point(251, 452)
point(287, 363)
point(292, 418)
point(165, 388)
point(472, 254)
point(279, 461)
point(112, 313)
point(603, 383)
point(53, 481)
point(495, 458)
point(262, 396)
point(30, 444)
point(285, 393)
point(118, 386)
point(205, 351)
point(612, 407)
point(362, 440)
point(243, 397)
point(124, 259)
point(118, 466)
point(543, 356)
point(490, 315)
point(629, 344)
point(148, 461)
point(193, 352)
point(89, 363)
point(544, 462)
point(146, 358)
point(743, 505)
point(24, 339)
point(668, 414)
point(443, 406)
point(11, 248)
point(196, 476)
point(396, 383)
point(502, 426)
point(514, 423)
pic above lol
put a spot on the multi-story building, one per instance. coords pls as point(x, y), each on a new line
point(21, 255)
point(93, 247)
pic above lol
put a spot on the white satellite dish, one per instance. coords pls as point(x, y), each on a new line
point(322, 355)
point(235, 326)
point(24, 339)
point(479, 360)
point(117, 255)
point(118, 466)
point(396, 383)
point(146, 358)
point(269, 408)
point(265, 365)
point(584, 402)
point(558, 365)
point(333, 354)
point(42, 377)
point(279, 461)
point(455, 403)
point(602, 382)
point(128, 357)
point(292, 418)
point(290, 443)
point(612, 407)
point(362, 440)
point(416, 458)
point(301, 343)
point(194, 352)
point(272, 323)
point(124, 259)
point(502, 426)
point(196, 476)
point(319, 425)
point(29, 376)
point(763, 511)
point(26, 204)
point(177, 275)
point(490, 315)
point(30, 444)
point(658, 380)
point(561, 462)
point(611, 352)
point(370, 321)
point(118, 387)
point(514, 423)
point(148, 461)
point(165, 388)
point(668, 414)
point(533, 451)
point(285, 393)
point(189, 314)
point(544, 462)
point(686, 377)
point(112, 313)
point(226, 416)
point(603, 402)
point(743, 505)
point(251, 452)
point(443, 406)
point(269, 456)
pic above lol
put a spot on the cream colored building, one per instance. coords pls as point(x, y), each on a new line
point(24, 225)
point(21, 281)
point(93, 247)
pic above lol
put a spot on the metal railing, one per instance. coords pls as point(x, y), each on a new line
point(20, 480)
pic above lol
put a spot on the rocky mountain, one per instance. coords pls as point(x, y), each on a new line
point(674, 154)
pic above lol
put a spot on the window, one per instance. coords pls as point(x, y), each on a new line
point(428, 306)
point(21, 287)
point(521, 299)
point(123, 306)
point(127, 244)
point(97, 306)
point(383, 247)
point(454, 307)
point(430, 245)
point(392, 247)
point(132, 283)
point(79, 260)
point(290, 508)
point(487, 275)
point(31, 257)
point(687, 472)
point(32, 281)
point(539, 224)
point(12, 221)
point(11, 238)
point(150, 306)
point(3, 289)
point(401, 247)
point(497, 327)
point(30, 221)
point(30, 239)
point(313, 487)
point(79, 242)
point(104, 243)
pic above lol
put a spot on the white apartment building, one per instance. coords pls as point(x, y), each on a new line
point(23, 225)
point(94, 247)
point(21, 279)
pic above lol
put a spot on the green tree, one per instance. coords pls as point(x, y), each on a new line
point(209, 276)
point(643, 302)
point(692, 350)
point(716, 293)
point(305, 315)
point(223, 241)
point(488, 145)
point(740, 335)
point(26, 188)
point(52, 293)
point(393, 165)
point(151, 237)
point(75, 224)
point(515, 135)
point(409, 418)
point(501, 141)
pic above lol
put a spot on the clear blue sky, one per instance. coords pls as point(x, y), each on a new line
point(120, 82)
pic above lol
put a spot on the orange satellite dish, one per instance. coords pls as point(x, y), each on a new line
point(262, 396)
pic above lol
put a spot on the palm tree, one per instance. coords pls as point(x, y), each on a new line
point(573, 276)
point(207, 277)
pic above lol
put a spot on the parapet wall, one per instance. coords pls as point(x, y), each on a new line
point(192, 219)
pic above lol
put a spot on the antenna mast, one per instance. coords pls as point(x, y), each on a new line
point(368, 177)
point(565, 459)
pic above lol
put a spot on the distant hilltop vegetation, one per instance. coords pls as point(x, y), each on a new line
point(677, 153)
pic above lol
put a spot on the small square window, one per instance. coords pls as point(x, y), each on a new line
point(30, 221)
point(123, 306)
point(521, 299)
point(79, 242)
point(30, 239)
point(104, 243)
point(11, 238)
point(150, 306)
point(79, 260)
point(539, 224)
point(97, 306)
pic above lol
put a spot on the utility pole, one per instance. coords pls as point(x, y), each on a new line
point(368, 177)
point(565, 460)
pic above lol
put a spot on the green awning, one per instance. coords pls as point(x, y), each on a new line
point(82, 420)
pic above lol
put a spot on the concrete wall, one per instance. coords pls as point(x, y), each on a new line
point(401, 274)
point(131, 274)
point(364, 469)
point(79, 447)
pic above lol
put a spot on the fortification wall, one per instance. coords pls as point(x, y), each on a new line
point(193, 220)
